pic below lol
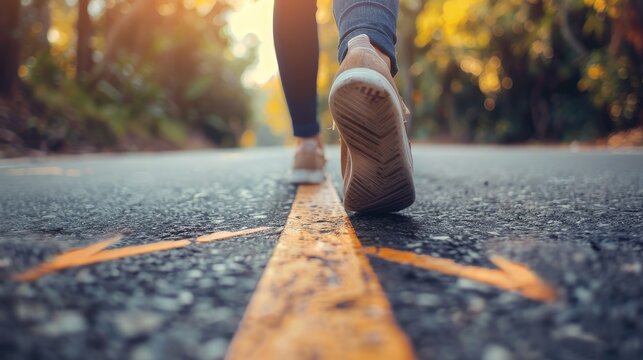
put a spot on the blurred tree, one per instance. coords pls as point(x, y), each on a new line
point(517, 70)
point(407, 53)
point(158, 71)
point(328, 37)
point(41, 23)
point(10, 45)
point(83, 34)
point(142, 73)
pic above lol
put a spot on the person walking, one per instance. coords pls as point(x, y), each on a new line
point(376, 161)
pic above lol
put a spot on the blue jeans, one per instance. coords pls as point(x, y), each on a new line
point(297, 48)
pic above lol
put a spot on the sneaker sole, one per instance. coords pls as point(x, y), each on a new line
point(300, 176)
point(369, 118)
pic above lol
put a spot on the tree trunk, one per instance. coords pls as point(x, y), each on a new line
point(405, 61)
point(406, 57)
point(83, 49)
point(568, 34)
point(44, 18)
point(10, 45)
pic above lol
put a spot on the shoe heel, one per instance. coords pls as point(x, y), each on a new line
point(368, 115)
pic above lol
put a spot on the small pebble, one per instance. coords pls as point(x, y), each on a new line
point(477, 304)
point(166, 303)
point(142, 352)
point(583, 295)
point(63, 323)
point(186, 298)
point(31, 312)
point(227, 281)
point(195, 274)
point(574, 331)
point(135, 323)
point(427, 300)
point(85, 277)
point(496, 352)
point(219, 268)
point(213, 349)
point(471, 285)
point(634, 268)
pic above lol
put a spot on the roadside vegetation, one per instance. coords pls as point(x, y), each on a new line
point(122, 75)
point(105, 75)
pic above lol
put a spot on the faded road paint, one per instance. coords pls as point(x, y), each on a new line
point(96, 253)
point(318, 297)
point(222, 235)
point(510, 276)
point(44, 171)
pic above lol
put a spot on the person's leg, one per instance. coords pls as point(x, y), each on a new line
point(297, 48)
point(375, 18)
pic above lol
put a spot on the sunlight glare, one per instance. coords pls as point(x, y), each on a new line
point(255, 18)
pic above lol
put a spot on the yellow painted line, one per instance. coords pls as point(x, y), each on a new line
point(96, 253)
point(222, 235)
point(318, 297)
point(44, 171)
point(510, 276)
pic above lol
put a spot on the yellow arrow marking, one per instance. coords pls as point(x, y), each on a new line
point(318, 297)
point(96, 253)
point(510, 276)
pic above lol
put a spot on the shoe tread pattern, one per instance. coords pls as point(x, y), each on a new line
point(367, 119)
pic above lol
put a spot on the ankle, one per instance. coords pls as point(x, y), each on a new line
point(382, 55)
point(363, 41)
point(316, 139)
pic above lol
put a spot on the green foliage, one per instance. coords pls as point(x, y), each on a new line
point(510, 70)
point(471, 70)
point(160, 75)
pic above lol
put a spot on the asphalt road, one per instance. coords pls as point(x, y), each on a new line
point(574, 218)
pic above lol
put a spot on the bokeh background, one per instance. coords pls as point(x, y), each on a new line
point(124, 75)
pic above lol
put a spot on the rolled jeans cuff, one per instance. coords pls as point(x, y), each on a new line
point(375, 18)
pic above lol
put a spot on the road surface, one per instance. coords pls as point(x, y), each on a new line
point(572, 219)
